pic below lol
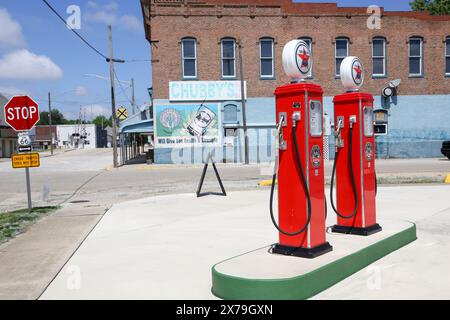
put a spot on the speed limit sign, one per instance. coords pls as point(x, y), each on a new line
point(24, 140)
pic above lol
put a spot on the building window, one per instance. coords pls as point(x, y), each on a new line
point(341, 53)
point(447, 56)
point(189, 56)
point(230, 112)
point(415, 57)
point(379, 57)
point(309, 42)
point(266, 54)
point(228, 58)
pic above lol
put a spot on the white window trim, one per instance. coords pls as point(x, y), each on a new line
point(447, 55)
point(261, 58)
point(310, 41)
point(234, 58)
point(184, 58)
point(378, 57)
point(421, 57)
point(336, 56)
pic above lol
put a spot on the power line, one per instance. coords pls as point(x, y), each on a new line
point(74, 31)
point(86, 42)
point(122, 88)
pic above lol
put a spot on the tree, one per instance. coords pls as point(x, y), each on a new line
point(102, 122)
point(57, 118)
point(434, 7)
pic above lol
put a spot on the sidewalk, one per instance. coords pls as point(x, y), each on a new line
point(164, 247)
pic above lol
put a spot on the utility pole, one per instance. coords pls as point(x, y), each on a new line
point(50, 122)
point(244, 115)
point(113, 100)
point(133, 100)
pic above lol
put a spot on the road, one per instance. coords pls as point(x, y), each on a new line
point(86, 175)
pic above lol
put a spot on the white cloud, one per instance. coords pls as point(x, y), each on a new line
point(24, 65)
point(101, 17)
point(94, 110)
point(9, 92)
point(109, 14)
point(81, 91)
point(132, 23)
point(92, 4)
point(10, 31)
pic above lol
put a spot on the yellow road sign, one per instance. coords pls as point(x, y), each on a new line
point(28, 160)
point(122, 113)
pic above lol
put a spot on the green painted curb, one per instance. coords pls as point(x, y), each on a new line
point(308, 285)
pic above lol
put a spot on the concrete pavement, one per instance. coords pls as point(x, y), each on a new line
point(85, 185)
point(163, 247)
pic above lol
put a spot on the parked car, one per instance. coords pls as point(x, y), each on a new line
point(446, 149)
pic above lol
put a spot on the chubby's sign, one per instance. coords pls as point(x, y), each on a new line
point(205, 90)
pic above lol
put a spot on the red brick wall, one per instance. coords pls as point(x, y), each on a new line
point(208, 22)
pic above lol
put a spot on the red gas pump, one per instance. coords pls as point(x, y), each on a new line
point(354, 164)
point(301, 200)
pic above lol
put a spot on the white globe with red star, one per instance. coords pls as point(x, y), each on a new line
point(297, 59)
point(352, 73)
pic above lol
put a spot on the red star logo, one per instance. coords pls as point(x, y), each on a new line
point(358, 71)
point(304, 56)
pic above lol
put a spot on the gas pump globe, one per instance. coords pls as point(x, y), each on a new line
point(354, 164)
point(301, 200)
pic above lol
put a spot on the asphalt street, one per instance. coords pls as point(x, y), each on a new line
point(87, 176)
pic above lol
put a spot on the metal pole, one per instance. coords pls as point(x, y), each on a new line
point(50, 122)
point(113, 99)
point(133, 100)
point(244, 116)
point(30, 205)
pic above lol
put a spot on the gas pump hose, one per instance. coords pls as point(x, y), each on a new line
point(305, 186)
point(352, 174)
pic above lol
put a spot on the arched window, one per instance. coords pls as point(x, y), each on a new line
point(415, 57)
point(230, 113)
point(341, 52)
point(189, 58)
point(379, 57)
point(266, 57)
point(447, 56)
point(309, 41)
point(228, 57)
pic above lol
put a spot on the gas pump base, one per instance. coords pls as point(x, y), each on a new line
point(259, 275)
point(302, 252)
point(357, 231)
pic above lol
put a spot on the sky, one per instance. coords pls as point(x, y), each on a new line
point(39, 54)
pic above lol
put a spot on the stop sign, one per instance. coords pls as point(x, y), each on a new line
point(22, 113)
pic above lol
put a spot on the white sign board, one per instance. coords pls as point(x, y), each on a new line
point(206, 90)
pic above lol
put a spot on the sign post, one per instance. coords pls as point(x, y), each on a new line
point(22, 114)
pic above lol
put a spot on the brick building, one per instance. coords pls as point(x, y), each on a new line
point(195, 54)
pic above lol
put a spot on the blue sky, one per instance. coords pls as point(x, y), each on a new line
point(39, 54)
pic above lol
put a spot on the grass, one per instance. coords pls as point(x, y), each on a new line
point(15, 222)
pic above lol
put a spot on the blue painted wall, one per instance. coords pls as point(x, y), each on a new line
point(417, 127)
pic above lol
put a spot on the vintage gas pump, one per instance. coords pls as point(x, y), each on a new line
point(301, 200)
point(354, 164)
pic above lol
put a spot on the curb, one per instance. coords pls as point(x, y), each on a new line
point(307, 285)
point(447, 179)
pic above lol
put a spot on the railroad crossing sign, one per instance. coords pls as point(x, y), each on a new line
point(22, 113)
point(122, 113)
point(27, 160)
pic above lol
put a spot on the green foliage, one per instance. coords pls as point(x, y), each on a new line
point(57, 118)
point(434, 7)
point(102, 122)
point(14, 223)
